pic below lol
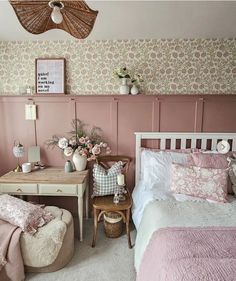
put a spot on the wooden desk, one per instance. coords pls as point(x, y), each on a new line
point(49, 182)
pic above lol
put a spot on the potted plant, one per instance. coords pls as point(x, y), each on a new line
point(123, 75)
point(136, 81)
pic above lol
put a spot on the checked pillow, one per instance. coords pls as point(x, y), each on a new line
point(105, 181)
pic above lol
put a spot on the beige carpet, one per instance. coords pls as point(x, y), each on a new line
point(110, 260)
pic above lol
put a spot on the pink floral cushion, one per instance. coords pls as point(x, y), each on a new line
point(206, 183)
point(208, 160)
point(23, 214)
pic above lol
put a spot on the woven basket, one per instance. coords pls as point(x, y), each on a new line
point(113, 224)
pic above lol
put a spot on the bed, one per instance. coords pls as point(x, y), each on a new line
point(184, 239)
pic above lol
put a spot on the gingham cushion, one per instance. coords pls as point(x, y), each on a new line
point(105, 181)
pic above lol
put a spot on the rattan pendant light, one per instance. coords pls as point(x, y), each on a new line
point(75, 17)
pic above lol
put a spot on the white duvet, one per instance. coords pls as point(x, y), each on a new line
point(171, 213)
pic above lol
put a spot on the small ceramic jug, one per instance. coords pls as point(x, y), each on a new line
point(68, 167)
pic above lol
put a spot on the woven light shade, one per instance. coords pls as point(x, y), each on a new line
point(35, 16)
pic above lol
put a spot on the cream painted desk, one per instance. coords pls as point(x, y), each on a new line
point(49, 182)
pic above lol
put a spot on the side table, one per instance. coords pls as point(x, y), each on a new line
point(105, 204)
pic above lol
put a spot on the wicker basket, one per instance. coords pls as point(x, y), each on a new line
point(113, 224)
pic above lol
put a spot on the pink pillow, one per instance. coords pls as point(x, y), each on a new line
point(206, 183)
point(27, 216)
point(208, 160)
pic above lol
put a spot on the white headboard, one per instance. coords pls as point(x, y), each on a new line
point(182, 138)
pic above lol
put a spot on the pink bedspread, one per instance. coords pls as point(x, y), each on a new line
point(191, 254)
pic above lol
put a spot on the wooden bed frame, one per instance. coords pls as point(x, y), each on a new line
point(184, 140)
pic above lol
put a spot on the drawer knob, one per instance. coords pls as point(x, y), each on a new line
point(59, 190)
point(19, 190)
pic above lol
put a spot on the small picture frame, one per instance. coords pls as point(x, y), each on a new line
point(50, 75)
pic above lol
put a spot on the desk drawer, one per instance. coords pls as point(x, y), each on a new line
point(60, 189)
point(18, 188)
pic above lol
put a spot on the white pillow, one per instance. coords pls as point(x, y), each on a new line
point(156, 169)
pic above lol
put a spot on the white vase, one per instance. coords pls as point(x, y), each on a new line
point(79, 161)
point(134, 90)
point(124, 88)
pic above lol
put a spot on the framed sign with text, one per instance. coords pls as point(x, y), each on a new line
point(50, 76)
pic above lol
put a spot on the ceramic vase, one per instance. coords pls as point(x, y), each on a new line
point(68, 167)
point(134, 90)
point(124, 88)
point(79, 161)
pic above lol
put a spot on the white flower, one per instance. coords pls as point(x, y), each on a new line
point(68, 151)
point(96, 149)
point(63, 143)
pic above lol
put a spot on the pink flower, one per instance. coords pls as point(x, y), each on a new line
point(108, 150)
point(82, 140)
point(90, 146)
point(93, 157)
point(96, 150)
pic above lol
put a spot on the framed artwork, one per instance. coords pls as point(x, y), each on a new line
point(50, 75)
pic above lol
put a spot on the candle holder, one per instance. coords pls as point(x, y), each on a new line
point(122, 191)
point(116, 199)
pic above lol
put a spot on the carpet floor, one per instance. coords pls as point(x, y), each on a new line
point(110, 260)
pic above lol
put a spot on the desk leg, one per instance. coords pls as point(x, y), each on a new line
point(80, 215)
point(87, 200)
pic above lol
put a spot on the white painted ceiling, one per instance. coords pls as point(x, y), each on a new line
point(140, 20)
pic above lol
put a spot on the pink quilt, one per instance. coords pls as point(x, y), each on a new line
point(190, 254)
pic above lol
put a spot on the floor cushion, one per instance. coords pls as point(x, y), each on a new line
point(52, 247)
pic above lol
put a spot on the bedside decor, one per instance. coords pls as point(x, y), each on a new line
point(83, 146)
point(68, 167)
point(50, 76)
point(18, 151)
point(74, 17)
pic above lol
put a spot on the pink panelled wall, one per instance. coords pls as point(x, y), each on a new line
point(118, 116)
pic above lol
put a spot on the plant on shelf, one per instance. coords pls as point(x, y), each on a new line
point(136, 81)
point(122, 72)
point(80, 143)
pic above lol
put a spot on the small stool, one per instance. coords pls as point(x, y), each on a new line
point(105, 204)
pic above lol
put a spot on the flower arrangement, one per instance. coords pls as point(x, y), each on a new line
point(137, 79)
point(122, 72)
point(89, 145)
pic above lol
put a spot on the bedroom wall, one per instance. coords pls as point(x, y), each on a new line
point(118, 116)
point(174, 66)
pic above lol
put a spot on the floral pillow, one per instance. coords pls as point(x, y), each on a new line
point(105, 181)
point(27, 216)
point(206, 183)
point(210, 160)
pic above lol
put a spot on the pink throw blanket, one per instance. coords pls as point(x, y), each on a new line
point(11, 262)
point(192, 254)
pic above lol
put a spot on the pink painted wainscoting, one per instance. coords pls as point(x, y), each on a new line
point(118, 116)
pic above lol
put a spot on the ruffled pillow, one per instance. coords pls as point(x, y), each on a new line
point(27, 216)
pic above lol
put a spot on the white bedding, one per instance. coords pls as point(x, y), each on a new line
point(171, 213)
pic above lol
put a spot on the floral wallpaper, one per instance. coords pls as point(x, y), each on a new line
point(175, 66)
